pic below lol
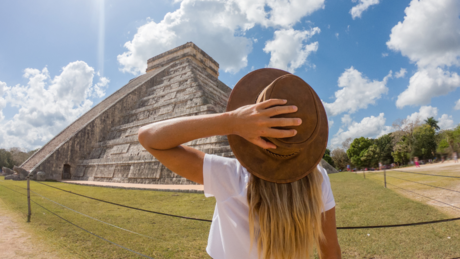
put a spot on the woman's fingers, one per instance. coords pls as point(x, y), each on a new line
point(283, 122)
point(279, 133)
point(263, 143)
point(270, 112)
point(271, 102)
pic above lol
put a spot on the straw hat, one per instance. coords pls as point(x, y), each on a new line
point(295, 157)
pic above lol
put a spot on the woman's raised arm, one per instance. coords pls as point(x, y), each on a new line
point(163, 139)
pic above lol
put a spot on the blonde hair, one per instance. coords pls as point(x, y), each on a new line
point(285, 219)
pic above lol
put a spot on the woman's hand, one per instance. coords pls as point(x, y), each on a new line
point(254, 121)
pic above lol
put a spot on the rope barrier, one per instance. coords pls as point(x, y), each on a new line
point(113, 243)
point(352, 227)
point(129, 207)
point(427, 174)
point(115, 226)
point(424, 184)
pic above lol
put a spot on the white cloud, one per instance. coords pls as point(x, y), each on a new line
point(337, 35)
point(401, 73)
point(357, 92)
point(429, 36)
point(47, 105)
point(424, 113)
point(346, 120)
point(446, 122)
point(457, 105)
point(384, 55)
point(2, 101)
point(217, 27)
point(425, 84)
point(287, 49)
point(363, 5)
point(369, 127)
point(330, 122)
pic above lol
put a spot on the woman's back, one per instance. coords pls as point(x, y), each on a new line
point(226, 179)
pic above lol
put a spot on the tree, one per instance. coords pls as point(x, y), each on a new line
point(432, 123)
point(346, 143)
point(370, 157)
point(340, 158)
point(424, 144)
point(327, 157)
point(357, 149)
point(5, 159)
point(385, 145)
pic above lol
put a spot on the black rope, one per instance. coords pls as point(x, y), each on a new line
point(113, 243)
point(353, 227)
point(129, 207)
point(356, 227)
point(424, 184)
point(427, 174)
point(77, 225)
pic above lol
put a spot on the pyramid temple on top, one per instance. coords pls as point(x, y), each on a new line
point(102, 144)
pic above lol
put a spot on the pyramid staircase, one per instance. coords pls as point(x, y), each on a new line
point(184, 83)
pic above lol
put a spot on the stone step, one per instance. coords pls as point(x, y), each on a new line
point(148, 158)
point(198, 110)
point(133, 139)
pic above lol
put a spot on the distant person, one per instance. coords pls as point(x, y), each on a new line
point(380, 165)
point(348, 168)
point(275, 199)
point(442, 159)
point(455, 157)
point(416, 162)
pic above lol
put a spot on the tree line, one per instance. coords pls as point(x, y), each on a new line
point(14, 157)
point(422, 139)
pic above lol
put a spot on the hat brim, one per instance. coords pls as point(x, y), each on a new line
point(254, 158)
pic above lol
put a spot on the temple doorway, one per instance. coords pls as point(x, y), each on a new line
point(66, 172)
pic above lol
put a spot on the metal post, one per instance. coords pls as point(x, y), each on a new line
point(364, 173)
point(385, 177)
point(28, 199)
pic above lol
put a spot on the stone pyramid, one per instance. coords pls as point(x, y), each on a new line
point(102, 144)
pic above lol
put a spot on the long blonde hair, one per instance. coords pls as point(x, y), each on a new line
point(285, 219)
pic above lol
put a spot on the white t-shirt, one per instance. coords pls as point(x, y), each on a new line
point(226, 179)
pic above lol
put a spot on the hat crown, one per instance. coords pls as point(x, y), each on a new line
point(297, 92)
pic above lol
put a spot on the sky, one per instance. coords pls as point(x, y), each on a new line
point(372, 62)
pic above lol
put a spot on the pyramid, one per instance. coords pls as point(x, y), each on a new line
point(102, 144)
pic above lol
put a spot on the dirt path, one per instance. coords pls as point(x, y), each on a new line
point(445, 196)
point(16, 240)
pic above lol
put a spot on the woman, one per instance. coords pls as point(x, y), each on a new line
point(273, 200)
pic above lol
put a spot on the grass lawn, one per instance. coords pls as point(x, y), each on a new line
point(359, 202)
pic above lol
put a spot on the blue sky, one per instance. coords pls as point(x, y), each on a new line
point(371, 62)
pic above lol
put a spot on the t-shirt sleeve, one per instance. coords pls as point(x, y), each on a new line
point(328, 197)
point(222, 177)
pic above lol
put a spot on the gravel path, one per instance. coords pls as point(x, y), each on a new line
point(16, 240)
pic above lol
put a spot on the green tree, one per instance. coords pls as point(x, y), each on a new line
point(432, 123)
point(385, 145)
point(370, 157)
point(6, 159)
point(424, 144)
point(357, 150)
point(327, 157)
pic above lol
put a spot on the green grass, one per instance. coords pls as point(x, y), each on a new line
point(359, 202)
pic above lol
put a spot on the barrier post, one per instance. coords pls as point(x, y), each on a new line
point(28, 198)
point(385, 177)
point(364, 174)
